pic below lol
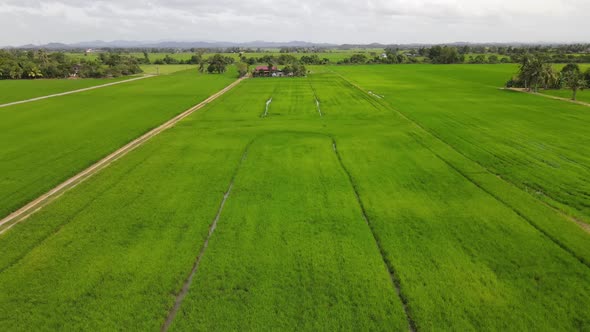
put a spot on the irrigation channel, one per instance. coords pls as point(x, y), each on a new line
point(375, 95)
point(317, 102)
point(266, 108)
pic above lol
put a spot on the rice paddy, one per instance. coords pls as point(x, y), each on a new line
point(435, 202)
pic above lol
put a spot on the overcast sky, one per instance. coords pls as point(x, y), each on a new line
point(334, 21)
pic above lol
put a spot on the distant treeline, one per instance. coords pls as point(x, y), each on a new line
point(17, 64)
point(398, 54)
point(467, 54)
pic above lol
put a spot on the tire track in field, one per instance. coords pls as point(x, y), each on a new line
point(187, 283)
point(74, 91)
point(32, 207)
point(396, 283)
point(440, 139)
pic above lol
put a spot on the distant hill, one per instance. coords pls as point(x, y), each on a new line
point(171, 44)
point(252, 44)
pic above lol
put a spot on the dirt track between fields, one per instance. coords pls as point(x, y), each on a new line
point(548, 96)
point(34, 206)
point(74, 91)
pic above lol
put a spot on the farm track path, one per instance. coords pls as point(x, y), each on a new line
point(187, 283)
point(396, 283)
point(548, 96)
point(75, 91)
point(40, 202)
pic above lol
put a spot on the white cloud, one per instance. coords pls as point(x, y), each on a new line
point(389, 21)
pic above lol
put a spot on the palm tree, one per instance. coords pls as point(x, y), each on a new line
point(534, 71)
point(525, 70)
point(548, 76)
point(575, 81)
point(43, 57)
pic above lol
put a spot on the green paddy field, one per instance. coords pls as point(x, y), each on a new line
point(385, 198)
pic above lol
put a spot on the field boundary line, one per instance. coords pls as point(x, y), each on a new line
point(583, 103)
point(40, 202)
point(564, 214)
point(189, 280)
point(396, 283)
point(75, 91)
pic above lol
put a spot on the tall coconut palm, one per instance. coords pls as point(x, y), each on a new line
point(534, 71)
point(43, 57)
point(549, 77)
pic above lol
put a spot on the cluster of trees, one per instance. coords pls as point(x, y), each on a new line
point(492, 59)
point(295, 69)
point(536, 72)
point(215, 64)
point(304, 50)
point(285, 59)
point(168, 60)
point(17, 64)
point(354, 59)
point(435, 54)
point(445, 55)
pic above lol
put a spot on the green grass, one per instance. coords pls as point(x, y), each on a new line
point(291, 251)
point(53, 139)
point(15, 90)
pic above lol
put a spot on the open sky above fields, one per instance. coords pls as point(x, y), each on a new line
point(386, 21)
